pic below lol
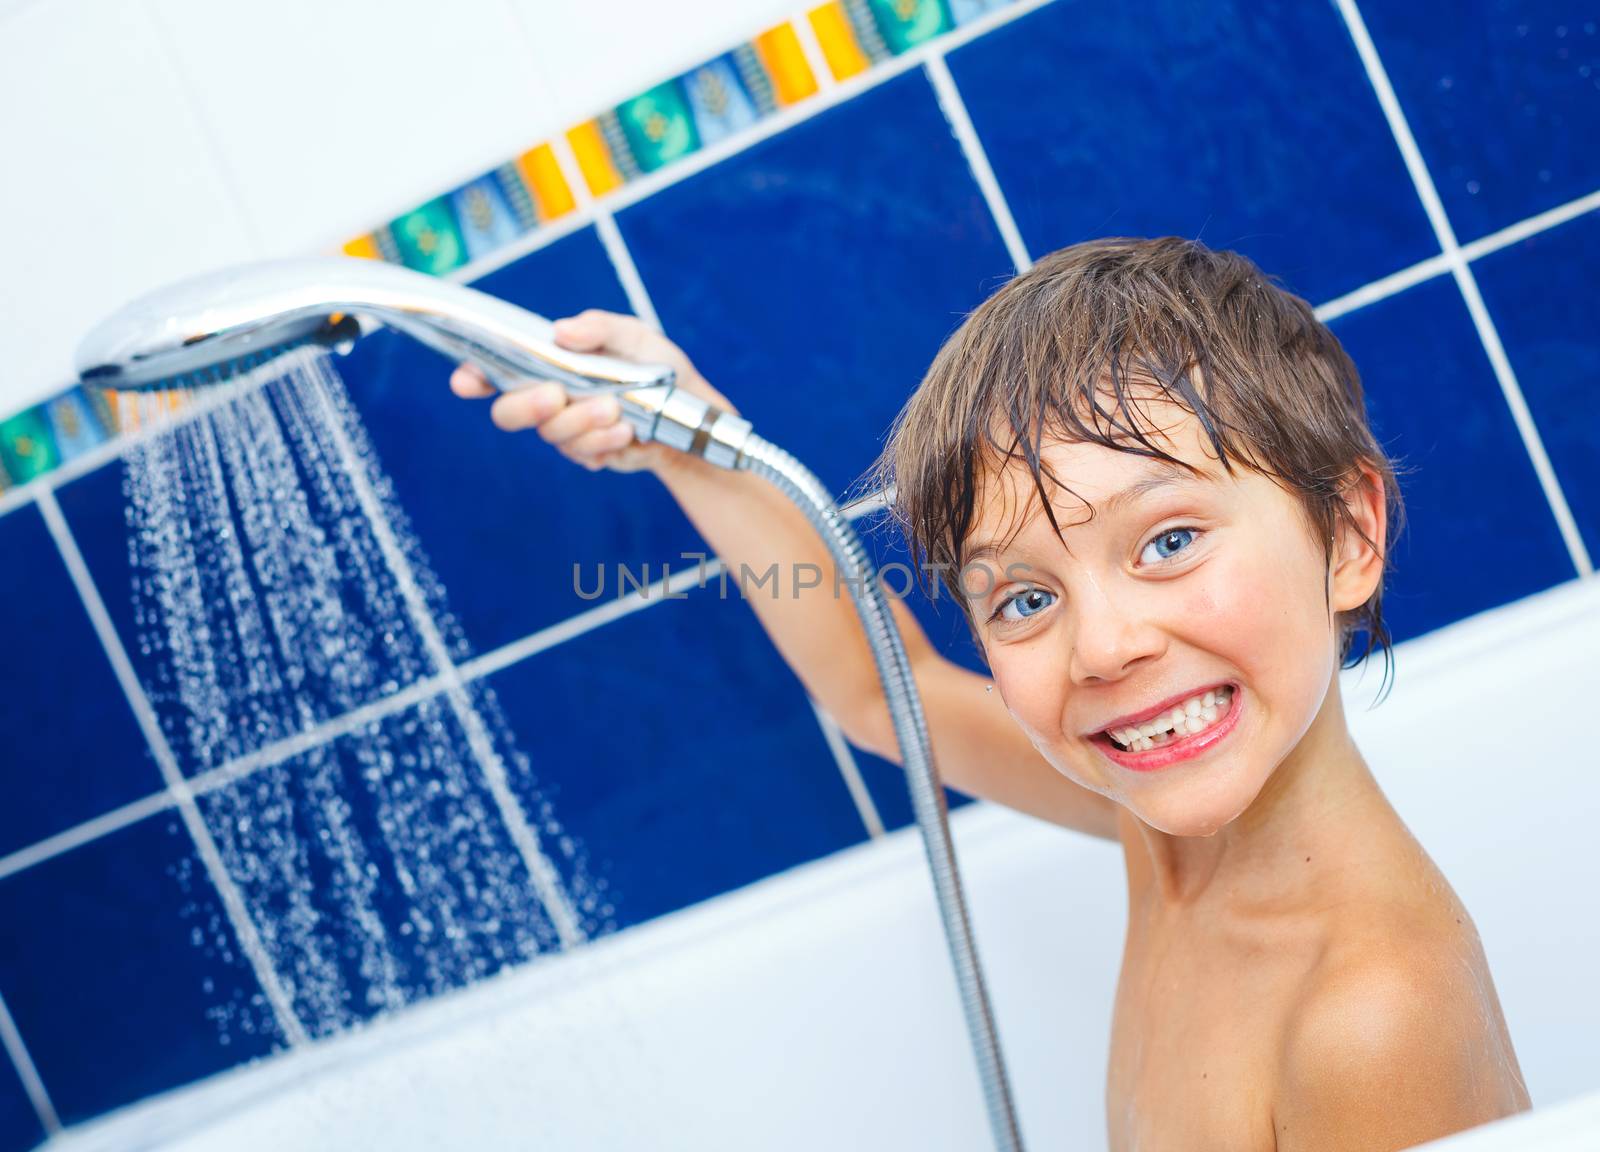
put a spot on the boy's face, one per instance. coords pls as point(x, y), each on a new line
point(1192, 585)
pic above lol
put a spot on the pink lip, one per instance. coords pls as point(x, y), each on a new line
point(1178, 750)
point(1136, 718)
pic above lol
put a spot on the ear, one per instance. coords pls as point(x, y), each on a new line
point(1356, 567)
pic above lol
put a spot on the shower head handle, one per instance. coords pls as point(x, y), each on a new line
point(205, 329)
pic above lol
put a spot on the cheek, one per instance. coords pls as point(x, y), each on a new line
point(1030, 684)
point(1258, 611)
point(1201, 603)
point(1033, 684)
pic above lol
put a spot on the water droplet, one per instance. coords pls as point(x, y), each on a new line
point(376, 868)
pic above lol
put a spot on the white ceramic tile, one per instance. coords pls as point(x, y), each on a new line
point(9, 8)
point(106, 186)
point(334, 116)
point(592, 55)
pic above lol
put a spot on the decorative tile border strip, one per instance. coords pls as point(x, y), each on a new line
point(42, 438)
point(659, 127)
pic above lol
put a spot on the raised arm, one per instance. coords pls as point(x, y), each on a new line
point(747, 522)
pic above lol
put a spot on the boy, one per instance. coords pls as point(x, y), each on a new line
point(1148, 477)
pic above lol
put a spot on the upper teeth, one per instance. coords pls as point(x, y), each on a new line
point(1184, 719)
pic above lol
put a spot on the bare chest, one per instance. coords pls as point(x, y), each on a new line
point(1194, 1045)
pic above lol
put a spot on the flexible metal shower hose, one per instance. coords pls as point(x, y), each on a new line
point(911, 732)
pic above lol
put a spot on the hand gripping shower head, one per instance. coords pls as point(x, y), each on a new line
point(212, 329)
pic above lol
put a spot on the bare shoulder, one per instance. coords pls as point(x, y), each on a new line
point(1396, 1038)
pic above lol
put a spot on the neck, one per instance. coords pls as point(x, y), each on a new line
point(1289, 836)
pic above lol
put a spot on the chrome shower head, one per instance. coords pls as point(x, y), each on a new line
point(210, 329)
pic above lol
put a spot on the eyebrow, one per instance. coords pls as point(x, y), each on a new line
point(1158, 474)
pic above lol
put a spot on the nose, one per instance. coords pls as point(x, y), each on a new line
point(1112, 634)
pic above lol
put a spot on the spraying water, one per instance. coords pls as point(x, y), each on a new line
point(373, 811)
point(210, 329)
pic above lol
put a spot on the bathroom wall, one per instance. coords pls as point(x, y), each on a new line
point(1424, 174)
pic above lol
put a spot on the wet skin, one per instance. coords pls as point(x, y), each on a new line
point(1297, 973)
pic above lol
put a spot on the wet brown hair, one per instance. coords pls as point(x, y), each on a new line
point(1069, 350)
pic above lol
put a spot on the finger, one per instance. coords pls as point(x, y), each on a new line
point(469, 382)
point(580, 416)
point(618, 335)
point(597, 443)
point(528, 407)
point(585, 332)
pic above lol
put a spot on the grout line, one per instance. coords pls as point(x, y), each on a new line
point(627, 271)
point(955, 111)
point(1467, 283)
point(81, 834)
point(546, 880)
point(32, 1083)
point(605, 226)
point(1407, 143)
point(1520, 413)
point(811, 48)
point(232, 900)
point(1532, 226)
point(1390, 285)
point(845, 760)
point(317, 735)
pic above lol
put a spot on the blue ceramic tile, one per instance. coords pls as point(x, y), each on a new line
point(1543, 295)
point(559, 279)
point(1480, 532)
point(366, 646)
point(131, 982)
point(73, 749)
point(681, 751)
point(813, 277)
point(382, 869)
point(504, 518)
point(1248, 127)
point(19, 1123)
point(1504, 100)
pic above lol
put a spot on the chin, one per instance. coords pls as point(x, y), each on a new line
point(1185, 823)
point(1198, 807)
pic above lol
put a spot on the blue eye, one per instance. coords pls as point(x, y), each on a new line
point(1028, 602)
point(1173, 541)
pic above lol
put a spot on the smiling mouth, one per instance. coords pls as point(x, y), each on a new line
point(1190, 717)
